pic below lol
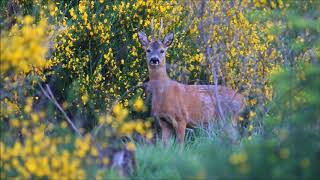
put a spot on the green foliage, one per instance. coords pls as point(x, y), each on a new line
point(297, 93)
point(158, 162)
point(297, 26)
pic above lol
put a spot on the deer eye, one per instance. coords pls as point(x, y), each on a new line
point(148, 50)
point(161, 51)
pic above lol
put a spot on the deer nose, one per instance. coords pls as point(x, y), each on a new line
point(154, 60)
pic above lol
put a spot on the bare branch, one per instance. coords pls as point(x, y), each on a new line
point(212, 64)
point(48, 93)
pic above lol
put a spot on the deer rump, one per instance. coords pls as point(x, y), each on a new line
point(191, 105)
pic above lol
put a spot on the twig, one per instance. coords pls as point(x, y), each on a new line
point(48, 93)
point(213, 67)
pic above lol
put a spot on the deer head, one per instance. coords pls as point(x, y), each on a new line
point(155, 49)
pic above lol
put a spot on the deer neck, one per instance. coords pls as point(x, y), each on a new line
point(158, 74)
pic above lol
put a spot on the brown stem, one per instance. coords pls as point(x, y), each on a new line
point(51, 97)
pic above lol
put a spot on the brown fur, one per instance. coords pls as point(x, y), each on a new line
point(189, 105)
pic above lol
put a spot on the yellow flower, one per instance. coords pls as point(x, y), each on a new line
point(94, 152)
point(105, 161)
point(27, 108)
point(138, 105)
point(85, 18)
point(101, 119)
point(72, 14)
point(82, 6)
point(14, 123)
point(131, 146)
point(31, 165)
point(55, 163)
point(120, 112)
point(84, 99)
point(305, 163)
point(117, 109)
point(238, 158)
point(147, 124)
point(35, 117)
point(149, 135)
point(284, 153)
point(109, 119)
point(22, 50)
point(28, 19)
point(64, 125)
point(38, 136)
point(252, 115)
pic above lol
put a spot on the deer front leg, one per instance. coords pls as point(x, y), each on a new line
point(180, 131)
point(165, 130)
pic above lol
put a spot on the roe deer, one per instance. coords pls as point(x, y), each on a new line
point(179, 105)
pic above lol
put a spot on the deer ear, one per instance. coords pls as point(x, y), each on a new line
point(143, 39)
point(167, 41)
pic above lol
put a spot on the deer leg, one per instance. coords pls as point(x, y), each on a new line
point(180, 131)
point(165, 130)
point(234, 120)
point(232, 130)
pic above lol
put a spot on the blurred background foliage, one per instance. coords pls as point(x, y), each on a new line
point(88, 54)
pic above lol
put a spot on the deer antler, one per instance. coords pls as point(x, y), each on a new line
point(160, 29)
point(152, 29)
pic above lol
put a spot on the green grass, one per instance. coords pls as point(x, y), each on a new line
point(172, 161)
point(164, 161)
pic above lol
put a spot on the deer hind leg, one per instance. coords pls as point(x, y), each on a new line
point(232, 129)
point(165, 130)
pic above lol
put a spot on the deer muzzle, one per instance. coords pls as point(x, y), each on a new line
point(154, 61)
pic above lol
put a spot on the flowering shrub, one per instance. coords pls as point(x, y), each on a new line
point(121, 126)
point(20, 51)
point(98, 56)
point(30, 148)
point(236, 53)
